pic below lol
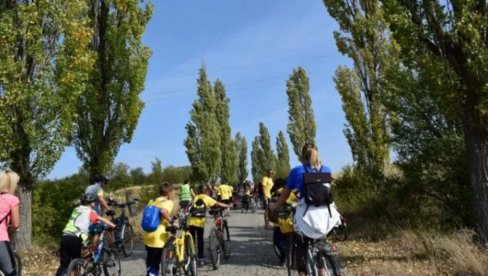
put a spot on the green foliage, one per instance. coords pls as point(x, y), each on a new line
point(301, 126)
point(283, 157)
point(156, 175)
point(44, 63)
point(267, 158)
point(109, 107)
point(176, 175)
point(364, 37)
point(228, 148)
point(257, 169)
point(241, 147)
point(444, 43)
point(52, 204)
point(262, 154)
point(203, 146)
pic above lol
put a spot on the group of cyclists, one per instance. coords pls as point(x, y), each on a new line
point(312, 222)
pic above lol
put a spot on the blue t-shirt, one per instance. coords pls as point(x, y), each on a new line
point(295, 178)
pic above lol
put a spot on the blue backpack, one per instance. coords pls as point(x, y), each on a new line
point(151, 216)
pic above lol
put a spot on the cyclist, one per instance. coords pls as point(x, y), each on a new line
point(97, 189)
point(185, 195)
point(75, 232)
point(280, 239)
point(225, 193)
point(197, 224)
point(9, 212)
point(319, 221)
point(246, 195)
point(267, 185)
point(154, 241)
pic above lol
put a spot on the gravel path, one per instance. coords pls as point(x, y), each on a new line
point(252, 251)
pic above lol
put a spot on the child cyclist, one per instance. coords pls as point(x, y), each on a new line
point(76, 231)
point(154, 241)
point(197, 224)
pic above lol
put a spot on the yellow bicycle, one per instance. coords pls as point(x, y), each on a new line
point(179, 252)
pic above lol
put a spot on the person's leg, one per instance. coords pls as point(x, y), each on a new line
point(153, 260)
point(70, 249)
point(301, 253)
point(7, 262)
point(266, 216)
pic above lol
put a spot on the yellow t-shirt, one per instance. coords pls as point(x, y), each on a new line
point(158, 237)
point(267, 186)
point(224, 191)
point(209, 202)
point(231, 190)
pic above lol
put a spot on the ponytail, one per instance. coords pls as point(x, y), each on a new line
point(310, 156)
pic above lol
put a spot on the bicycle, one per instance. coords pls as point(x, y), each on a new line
point(92, 263)
point(339, 232)
point(252, 203)
point(17, 263)
point(179, 252)
point(284, 219)
point(219, 238)
point(123, 238)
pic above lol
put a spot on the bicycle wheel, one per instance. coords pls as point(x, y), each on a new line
point(226, 241)
point(275, 246)
point(190, 260)
point(18, 264)
point(291, 262)
point(127, 239)
point(111, 263)
point(330, 263)
point(169, 264)
point(76, 268)
point(214, 248)
point(311, 265)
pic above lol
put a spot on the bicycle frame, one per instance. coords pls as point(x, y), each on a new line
point(179, 242)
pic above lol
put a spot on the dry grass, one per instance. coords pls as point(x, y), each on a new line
point(410, 253)
point(457, 252)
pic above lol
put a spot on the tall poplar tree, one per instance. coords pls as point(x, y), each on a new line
point(257, 169)
point(229, 160)
point(282, 156)
point(301, 126)
point(202, 143)
point(364, 39)
point(267, 158)
point(44, 63)
point(446, 42)
point(241, 146)
point(110, 106)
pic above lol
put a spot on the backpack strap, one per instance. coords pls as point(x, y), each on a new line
point(9, 212)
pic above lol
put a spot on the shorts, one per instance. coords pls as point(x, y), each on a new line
point(265, 203)
point(226, 201)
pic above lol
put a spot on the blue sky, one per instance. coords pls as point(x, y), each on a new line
point(252, 47)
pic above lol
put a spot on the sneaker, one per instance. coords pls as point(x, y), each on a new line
point(201, 262)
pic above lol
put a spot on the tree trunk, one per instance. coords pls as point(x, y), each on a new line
point(23, 238)
point(476, 140)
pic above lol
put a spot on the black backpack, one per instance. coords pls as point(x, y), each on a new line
point(198, 209)
point(317, 189)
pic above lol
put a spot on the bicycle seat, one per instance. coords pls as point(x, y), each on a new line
point(110, 213)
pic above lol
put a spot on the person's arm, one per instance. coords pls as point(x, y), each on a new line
point(281, 199)
point(106, 221)
point(103, 202)
point(222, 205)
point(15, 217)
point(165, 214)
